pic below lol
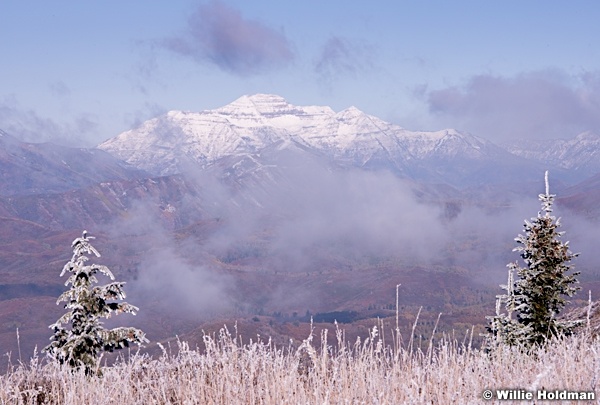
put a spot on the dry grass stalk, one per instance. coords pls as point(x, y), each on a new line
point(256, 372)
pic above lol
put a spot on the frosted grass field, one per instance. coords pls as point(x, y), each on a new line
point(323, 370)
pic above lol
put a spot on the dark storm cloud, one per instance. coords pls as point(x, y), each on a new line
point(219, 34)
point(343, 56)
point(536, 105)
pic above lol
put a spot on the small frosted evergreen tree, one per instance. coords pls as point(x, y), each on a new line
point(538, 295)
point(80, 344)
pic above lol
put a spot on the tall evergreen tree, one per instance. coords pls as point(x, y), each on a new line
point(538, 295)
point(80, 344)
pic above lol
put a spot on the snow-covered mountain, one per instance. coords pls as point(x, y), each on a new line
point(178, 141)
point(580, 154)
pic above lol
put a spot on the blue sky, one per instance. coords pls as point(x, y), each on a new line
point(78, 73)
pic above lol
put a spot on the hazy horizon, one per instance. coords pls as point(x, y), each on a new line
point(78, 74)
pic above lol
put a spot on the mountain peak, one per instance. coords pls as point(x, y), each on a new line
point(257, 104)
point(350, 112)
point(263, 98)
point(587, 136)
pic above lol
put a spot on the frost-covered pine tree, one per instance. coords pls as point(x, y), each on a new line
point(79, 336)
point(538, 295)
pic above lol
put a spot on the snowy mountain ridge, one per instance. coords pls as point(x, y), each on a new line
point(167, 144)
point(581, 153)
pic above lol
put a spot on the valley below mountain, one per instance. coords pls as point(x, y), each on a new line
point(269, 214)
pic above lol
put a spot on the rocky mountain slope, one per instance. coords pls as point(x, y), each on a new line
point(30, 168)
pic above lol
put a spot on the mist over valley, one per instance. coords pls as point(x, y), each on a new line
point(270, 214)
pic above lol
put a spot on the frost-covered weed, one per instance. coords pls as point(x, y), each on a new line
point(256, 372)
